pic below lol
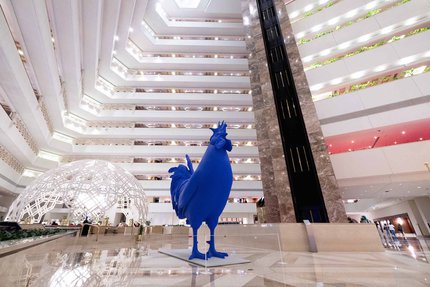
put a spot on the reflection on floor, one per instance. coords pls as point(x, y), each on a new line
point(117, 260)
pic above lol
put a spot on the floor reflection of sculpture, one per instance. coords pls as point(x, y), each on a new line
point(90, 268)
point(201, 195)
point(195, 273)
point(19, 271)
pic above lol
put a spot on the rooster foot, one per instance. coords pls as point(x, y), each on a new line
point(214, 253)
point(197, 255)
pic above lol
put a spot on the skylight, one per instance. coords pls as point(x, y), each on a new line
point(187, 3)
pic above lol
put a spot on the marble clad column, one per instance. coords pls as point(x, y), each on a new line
point(277, 196)
point(276, 187)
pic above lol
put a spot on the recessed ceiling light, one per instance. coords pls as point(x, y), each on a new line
point(300, 35)
point(380, 68)
point(351, 13)
point(358, 75)
point(131, 29)
point(421, 139)
point(325, 52)
point(308, 7)
point(116, 38)
point(306, 59)
point(370, 5)
point(336, 81)
point(316, 28)
point(333, 21)
point(294, 14)
point(403, 132)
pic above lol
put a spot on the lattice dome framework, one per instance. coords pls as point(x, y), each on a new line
point(87, 187)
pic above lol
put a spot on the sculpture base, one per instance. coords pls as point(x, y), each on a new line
point(184, 254)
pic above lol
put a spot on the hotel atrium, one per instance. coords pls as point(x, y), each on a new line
point(132, 86)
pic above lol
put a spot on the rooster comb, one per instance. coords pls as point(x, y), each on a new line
point(222, 126)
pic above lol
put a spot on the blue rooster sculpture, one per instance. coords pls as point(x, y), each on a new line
point(201, 195)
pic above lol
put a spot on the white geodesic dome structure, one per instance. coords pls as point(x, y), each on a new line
point(87, 187)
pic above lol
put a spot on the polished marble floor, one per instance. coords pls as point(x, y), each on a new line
point(117, 260)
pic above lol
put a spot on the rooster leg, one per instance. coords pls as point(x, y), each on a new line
point(212, 251)
point(196, 253)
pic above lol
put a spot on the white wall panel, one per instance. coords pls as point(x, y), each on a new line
point(6, 186)
point(159, 151)
point(325, 74)
point(393, 17)
point(388, 93)
point(347, 126)
point(165, 185)
point(423, 83)
point(8, 172)
point(418, 112)
point(240, 207)
point(230, 208)
point(162, 168)
point(163, 133)
point(389, 160)
point(170, 116)
point(412, 9)
point(412, 45)
point(390, 117)
point(370, 59)
point(360, 164)
point(340, 105)
point(387, 55)
point(356, 30)
point(324, 16)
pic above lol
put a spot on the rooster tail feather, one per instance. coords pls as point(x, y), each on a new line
point(181, 175)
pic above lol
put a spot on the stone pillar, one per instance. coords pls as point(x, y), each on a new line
point(278, 201)
point(277, 191)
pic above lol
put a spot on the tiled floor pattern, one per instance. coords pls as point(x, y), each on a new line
point(117, 260)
